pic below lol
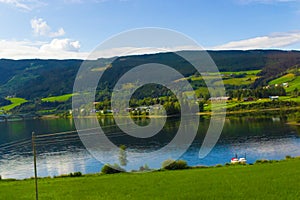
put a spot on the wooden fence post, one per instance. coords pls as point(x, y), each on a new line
point(35, 169)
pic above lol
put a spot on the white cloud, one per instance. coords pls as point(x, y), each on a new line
point(123, 51)
point(61, 45)
point(56, 49)
point(273, 41)
point(69, 49)
point(26, 5)
point(41, 28)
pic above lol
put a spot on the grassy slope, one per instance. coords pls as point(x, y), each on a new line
point(294, 84)
point(14, 103)
point(283, 79)
point(250, 77)
point(261, 181)
point(291, 78)
point(61, 98)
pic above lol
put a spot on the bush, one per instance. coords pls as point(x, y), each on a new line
point(108, 169)
point(60, 176)
point(174, 165)
point(144, 168)
point(261, 161)
point(288, 157)
point(76, 174)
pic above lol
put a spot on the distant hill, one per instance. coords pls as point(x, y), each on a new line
point(35, 78)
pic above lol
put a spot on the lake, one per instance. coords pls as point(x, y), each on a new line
point(256, 136)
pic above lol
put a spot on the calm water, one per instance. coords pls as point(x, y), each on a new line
point(256, 136)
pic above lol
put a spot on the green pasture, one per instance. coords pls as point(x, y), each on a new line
point(14, 103)
point(276, 180)
point(61, 98)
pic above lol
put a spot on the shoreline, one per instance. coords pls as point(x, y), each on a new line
point(226, 165)
point(53, 116)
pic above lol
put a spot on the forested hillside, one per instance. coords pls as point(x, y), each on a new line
point(36, 79)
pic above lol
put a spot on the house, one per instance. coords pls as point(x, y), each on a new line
point(219, 98)
point(274, 98)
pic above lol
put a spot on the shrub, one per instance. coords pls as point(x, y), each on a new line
point(62, 176)
point(219, 165)
point(144, 168)
point(108, 169)
point(166, 163)
point(174, 165)
point(288, 157)
point(76, 174)
point(261, 161)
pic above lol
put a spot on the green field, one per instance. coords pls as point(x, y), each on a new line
point(279, 180)
point(294, 84)
point(233, 103)
point(61, 98)
point(249, 78)
point(288, 98)
point(249, 72)
point(14, 103)
point(290, 78)
point(283, 79)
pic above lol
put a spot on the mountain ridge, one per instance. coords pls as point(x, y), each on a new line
point(38, 78)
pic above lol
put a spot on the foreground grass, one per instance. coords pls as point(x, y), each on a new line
point(280, 180)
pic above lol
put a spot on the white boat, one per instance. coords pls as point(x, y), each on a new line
point(235, 160)
point(242, 160)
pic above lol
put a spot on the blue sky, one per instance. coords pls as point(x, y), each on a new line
point(73, 28)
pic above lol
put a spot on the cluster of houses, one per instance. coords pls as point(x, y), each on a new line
point(157, 107)
point(219, 98)
point(286, 85)
point(246, 99)
point(147, 109)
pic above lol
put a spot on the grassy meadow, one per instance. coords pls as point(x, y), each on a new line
point(61, 98)
point(14, 103)
point(276, 180)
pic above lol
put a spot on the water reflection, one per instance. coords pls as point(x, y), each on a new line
point(259, 137)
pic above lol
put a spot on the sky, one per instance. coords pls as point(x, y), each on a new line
point(73, 28)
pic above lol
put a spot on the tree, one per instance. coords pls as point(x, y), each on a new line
point(123, 156)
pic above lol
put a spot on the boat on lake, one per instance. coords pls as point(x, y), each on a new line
point(236, 160)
